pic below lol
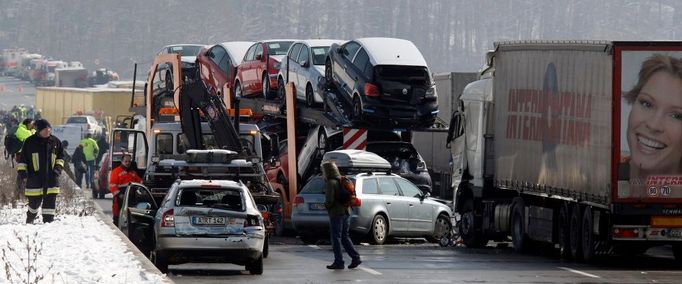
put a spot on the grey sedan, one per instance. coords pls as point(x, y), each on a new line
point(391, 207)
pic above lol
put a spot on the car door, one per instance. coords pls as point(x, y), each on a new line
point(303, 72)
point(347, 53)
point(136, 220)
point(256, 67)
point(356, 70)
point(217, 77)
point(420, 212)
point(396, 205)
point(245, 66)
point(292, 56)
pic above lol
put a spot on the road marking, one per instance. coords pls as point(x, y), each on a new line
point(369, 270)
point(314, 246)
point(579, 272)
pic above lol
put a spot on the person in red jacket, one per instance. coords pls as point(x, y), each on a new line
point(119, 178)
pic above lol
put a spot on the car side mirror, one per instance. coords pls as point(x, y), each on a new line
point(144, 205)
point(259, 57)
point(305, 63)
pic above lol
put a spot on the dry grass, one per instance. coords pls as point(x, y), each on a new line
point(25, 271)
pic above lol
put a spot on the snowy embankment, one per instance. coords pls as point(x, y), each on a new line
point(76, 248)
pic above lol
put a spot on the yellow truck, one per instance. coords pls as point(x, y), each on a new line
point(57, 104)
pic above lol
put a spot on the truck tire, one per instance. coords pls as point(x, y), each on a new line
point(518, 228)
point(587, 234)
point(677, 252)
point(575, 232)
point(468, 230)
point(563, 231)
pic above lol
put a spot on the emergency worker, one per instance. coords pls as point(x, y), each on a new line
point(119, 179)
point(41, 164)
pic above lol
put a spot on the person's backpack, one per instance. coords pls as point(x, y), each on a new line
point(346, 193)
point(12, 144)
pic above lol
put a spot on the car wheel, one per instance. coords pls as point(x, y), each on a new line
point(238, 90)
point(256, 268)
point(265, 86)
point(519, 239)
point(470, 236)
point(308, 239)
point(160, 261)
point(278, 221)
point(309, 96)
point(377, 234)
point(281, 91)
point(441, 228)
point(266, 247)
point(322, 142)
point(328, 77)
point(357, 109)
point(169, 81)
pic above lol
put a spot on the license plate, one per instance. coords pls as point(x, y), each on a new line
point(208, 221)
point(317, 206)
point(676, 234)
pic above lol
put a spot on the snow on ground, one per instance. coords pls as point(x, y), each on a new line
point(78, 250)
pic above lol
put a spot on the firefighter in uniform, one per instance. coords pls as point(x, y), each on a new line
point(119, 178)
point(42, 161)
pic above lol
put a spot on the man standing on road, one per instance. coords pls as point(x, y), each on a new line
point(42, 161)
point(339, 218)
point(91, 150)
point(119, 178)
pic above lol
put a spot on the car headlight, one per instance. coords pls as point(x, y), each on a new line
point(431, 93)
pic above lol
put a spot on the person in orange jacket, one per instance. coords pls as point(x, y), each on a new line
point(119, 178)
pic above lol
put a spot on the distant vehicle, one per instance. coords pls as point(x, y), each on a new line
point(218, 65)
point(198, 220)
point(88, 124)
point(390, 205)
point(305, 63)
point(257, 74)
point(188, 56)
point(386, 80)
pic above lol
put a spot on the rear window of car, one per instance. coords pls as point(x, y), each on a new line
point(219, 198)
point(279, 47)
point(185, 50)
point(80, 119)
point(316, 185)
point(411, 75)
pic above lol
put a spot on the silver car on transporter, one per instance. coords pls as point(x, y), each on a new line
point(391, 206)
point(209, 221)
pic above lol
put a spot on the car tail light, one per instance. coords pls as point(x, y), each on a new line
point(298, 201)
point(625, 233)
point(168, 219)
point(252, 221)
point(356, 202)
point(372, 90)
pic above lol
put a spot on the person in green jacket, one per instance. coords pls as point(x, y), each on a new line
point(339, 218)
point(24, 130)
point(90, 150)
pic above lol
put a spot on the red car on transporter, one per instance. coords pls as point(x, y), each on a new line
point(217, 64)
point(257, 74)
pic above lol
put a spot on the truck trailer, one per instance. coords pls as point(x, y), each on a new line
point(572, 143)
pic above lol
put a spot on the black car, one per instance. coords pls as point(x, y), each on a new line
point(405, 161)
point(385, 80)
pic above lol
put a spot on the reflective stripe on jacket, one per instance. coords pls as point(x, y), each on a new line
point(39, 158)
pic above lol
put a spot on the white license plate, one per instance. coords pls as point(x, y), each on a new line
point(317, 206)
point(675, 233)
point(210, 221)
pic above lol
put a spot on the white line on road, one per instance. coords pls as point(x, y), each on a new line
point(579, 272)
point(369, 270)
point(314, 246)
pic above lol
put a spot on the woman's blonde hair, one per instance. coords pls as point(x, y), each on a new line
point(653, 64)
